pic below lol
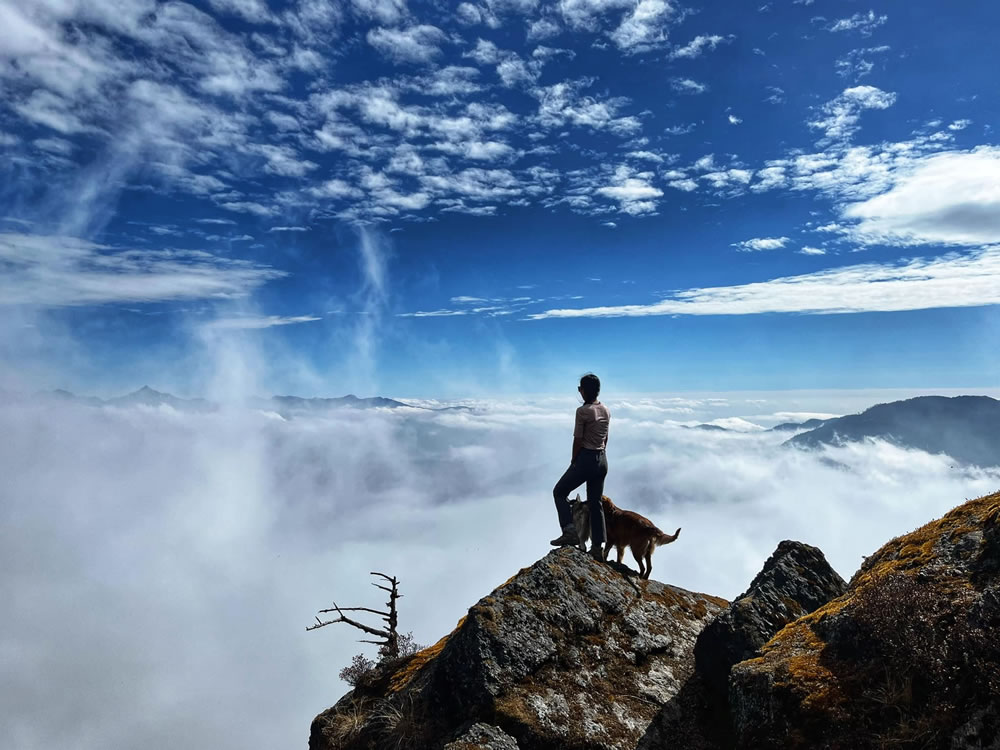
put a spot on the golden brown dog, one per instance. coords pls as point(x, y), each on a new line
point(624, 528)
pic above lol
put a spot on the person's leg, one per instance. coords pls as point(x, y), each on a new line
point(570, 480)
point(595, 489)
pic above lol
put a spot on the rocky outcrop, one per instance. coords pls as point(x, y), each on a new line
point(908, 657)
point(795, 580)
point(483, 737)
point(570, 653)
point(579, 655)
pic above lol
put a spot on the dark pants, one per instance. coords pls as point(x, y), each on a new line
point(591, 467)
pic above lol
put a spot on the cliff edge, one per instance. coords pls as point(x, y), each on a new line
point(579, 655)
point(569, 653)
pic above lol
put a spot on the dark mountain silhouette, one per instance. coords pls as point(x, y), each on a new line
point(809, 424)
point(708, 427)
point(967, 428)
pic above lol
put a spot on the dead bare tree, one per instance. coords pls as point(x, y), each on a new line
point(388, 643)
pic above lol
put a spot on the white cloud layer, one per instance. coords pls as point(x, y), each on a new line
point(171, 563)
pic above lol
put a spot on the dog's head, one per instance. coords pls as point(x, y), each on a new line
point(579, 507)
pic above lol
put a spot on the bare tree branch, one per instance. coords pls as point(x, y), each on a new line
point(389, 643)
point(357, 609)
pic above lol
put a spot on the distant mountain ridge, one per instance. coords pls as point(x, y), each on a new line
point(809, 424)
point(146, 396)
point(349, 401)
point(284, 405)
point(967, 428)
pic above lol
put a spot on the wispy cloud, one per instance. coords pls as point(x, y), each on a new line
point(953, 280)
point(491, 307)
point(839, 117)
point(417, 44)
point(857, 63)
point(63, 271)
point(863, 23)
point(761, 243)
point(251, 322)
point(698, 46)
point(687, 86)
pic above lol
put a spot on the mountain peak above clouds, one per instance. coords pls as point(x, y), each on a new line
point(147, 396)
point(966, 428)
point(809, 424)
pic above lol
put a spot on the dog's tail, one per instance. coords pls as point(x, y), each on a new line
point(662, 538)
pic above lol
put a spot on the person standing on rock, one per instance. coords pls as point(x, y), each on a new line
point(588, 464)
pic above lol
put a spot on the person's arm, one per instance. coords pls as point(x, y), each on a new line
point(577, 436)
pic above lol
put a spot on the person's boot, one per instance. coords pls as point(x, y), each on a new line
point(569, 536)
point(597, 552)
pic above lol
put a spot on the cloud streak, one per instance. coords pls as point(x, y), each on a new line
point(65, 271)
point(954, 280)
point(251, 322)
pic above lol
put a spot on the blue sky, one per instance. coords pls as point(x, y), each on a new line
point(440, 199)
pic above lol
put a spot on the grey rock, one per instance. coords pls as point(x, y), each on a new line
point(570, 653)
point(483, 737)
point(907, 657)
point(795, 580)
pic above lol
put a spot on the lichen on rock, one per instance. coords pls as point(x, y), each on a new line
point(483, 737)
point(795, 580)
point(569, 653)
point(908, 657)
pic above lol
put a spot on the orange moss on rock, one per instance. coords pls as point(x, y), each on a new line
point(904, 554)
point(803, 670)
point(910, 552)
point(421, 659)
point(829, 689)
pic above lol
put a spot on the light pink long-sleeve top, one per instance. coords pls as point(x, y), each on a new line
point(592, 421)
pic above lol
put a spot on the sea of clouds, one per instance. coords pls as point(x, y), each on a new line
point(159, 568)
